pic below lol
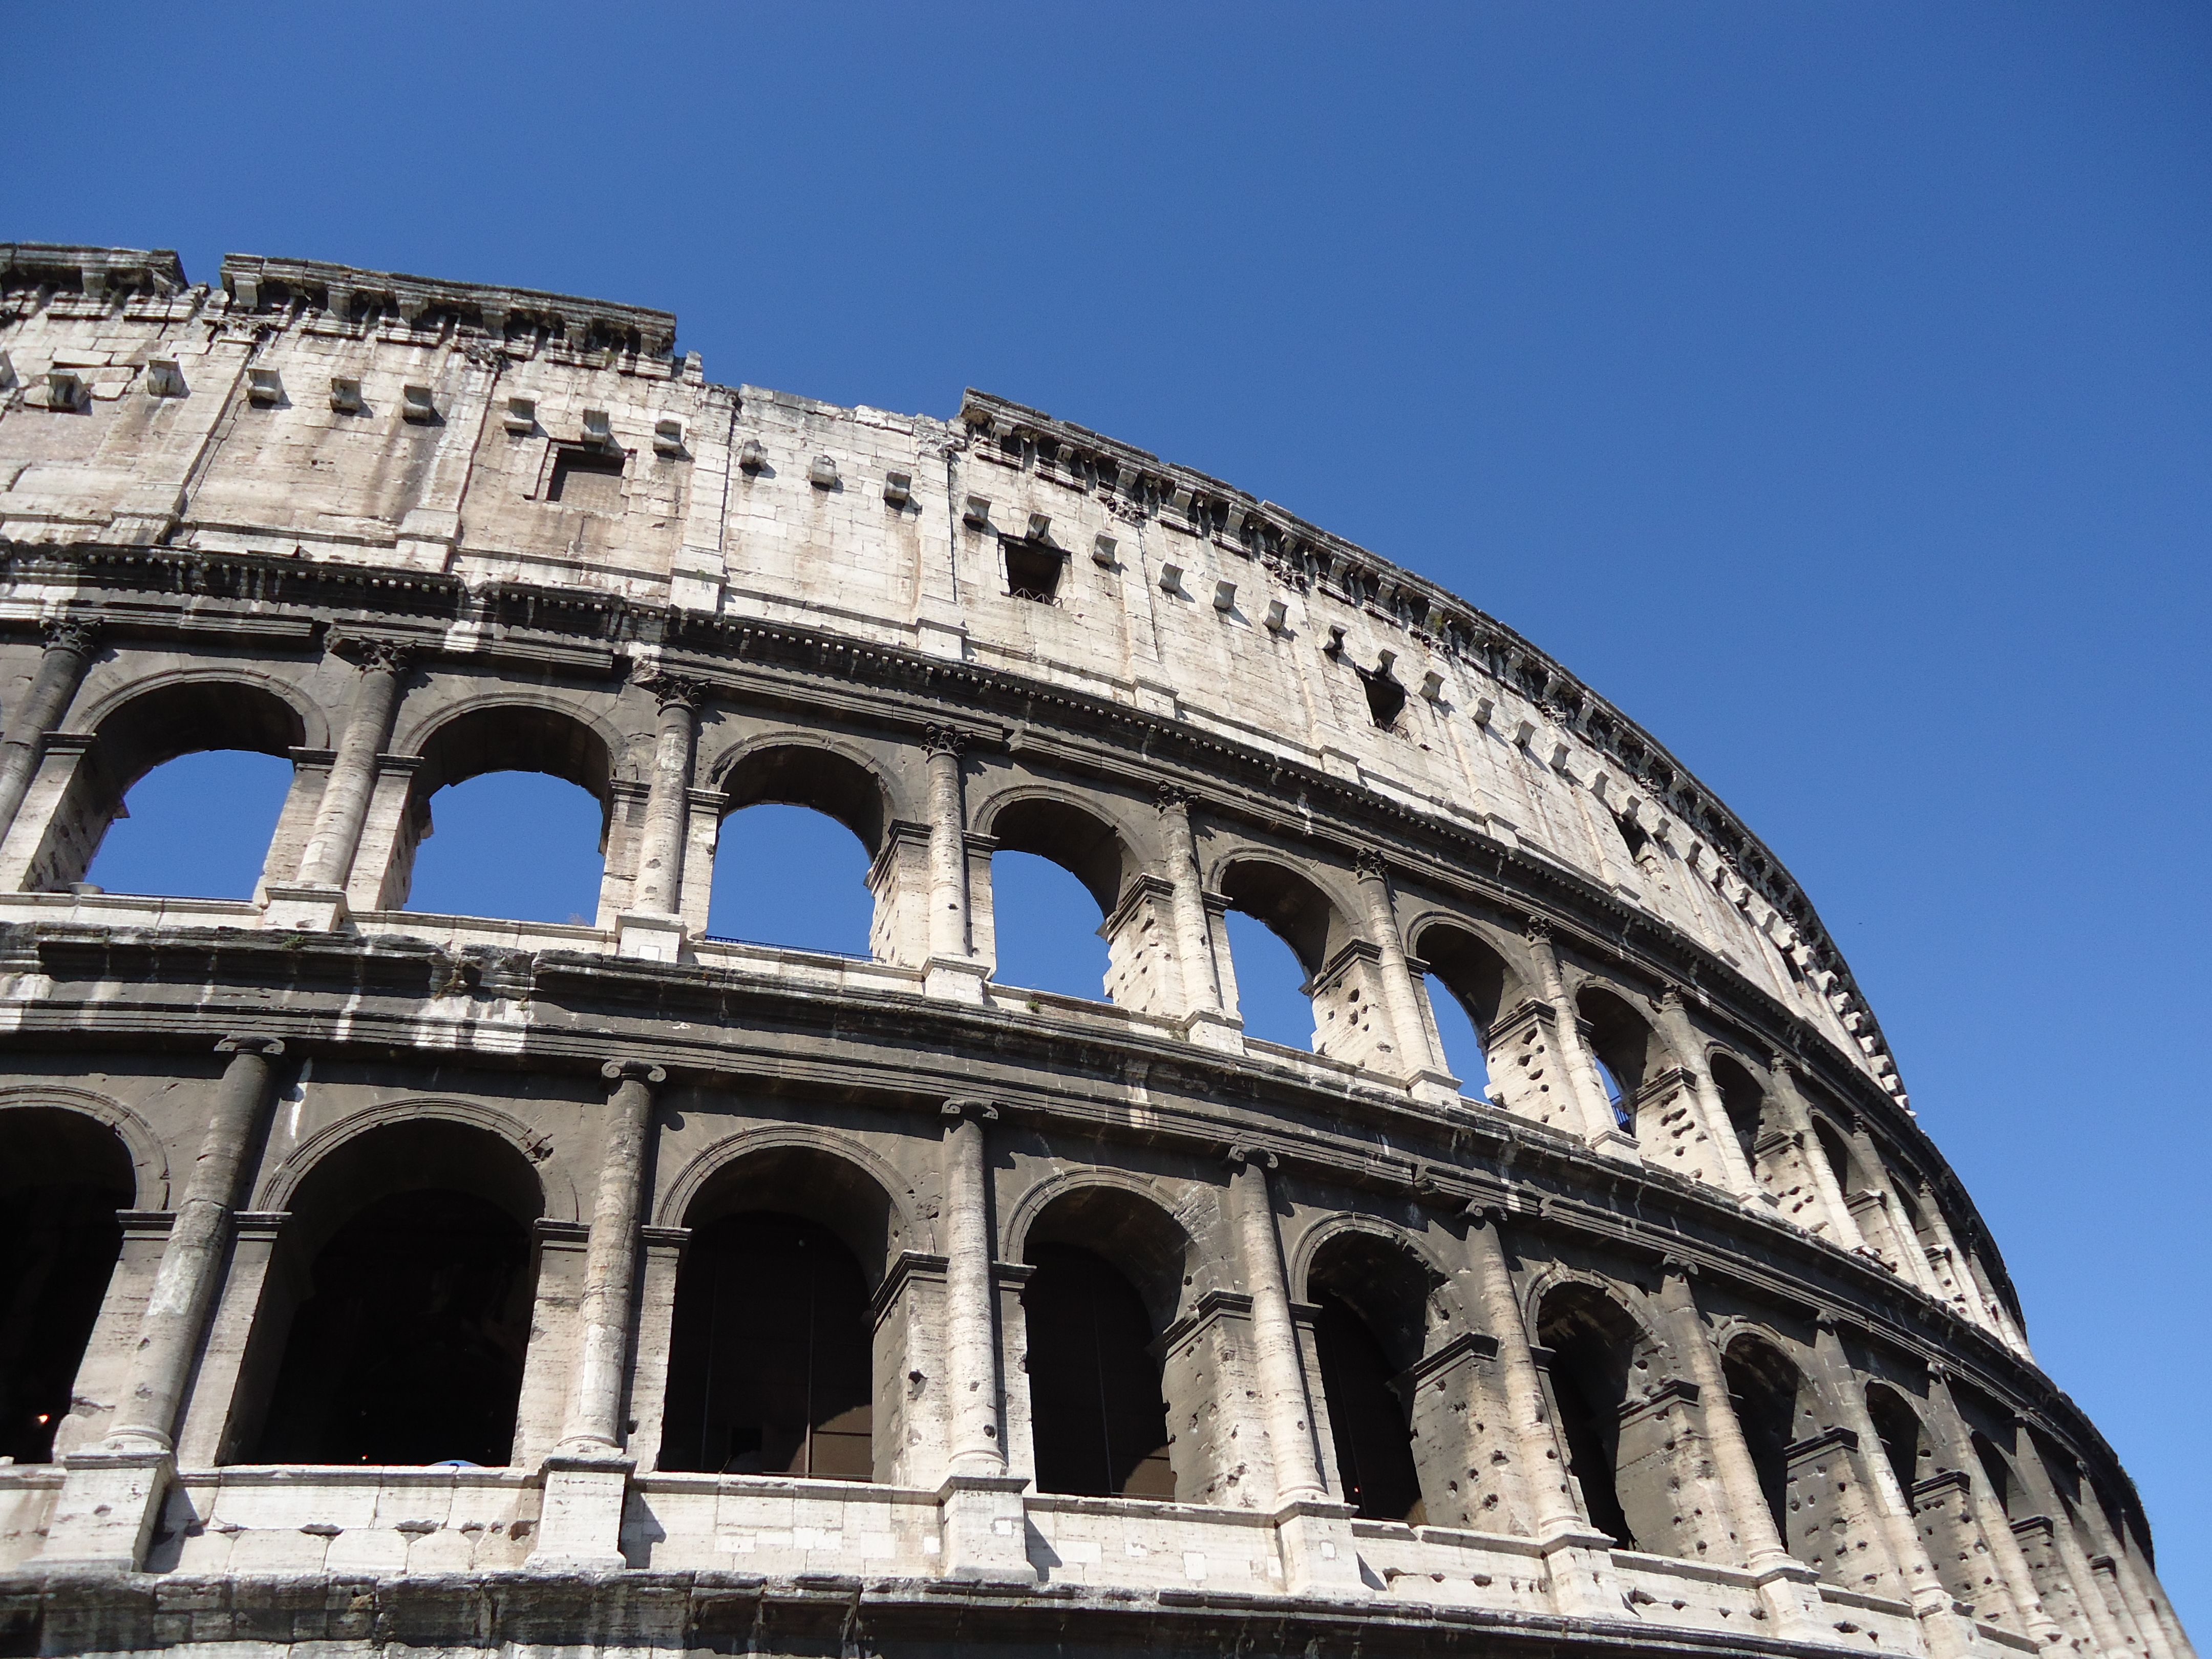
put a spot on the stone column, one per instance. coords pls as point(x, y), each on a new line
point(981, 1526)
point(1932, 1603)
point(1912, 1261)
point(70, 642)
point(1274, 1336)
point(971, 1346)
point(1786, 1583)
point(1578, 1558)
point(953, 970)
point(611, 1263)
point(1690, 1049)
point(1948, 1427)
point(1418, 1058)
point(185, 1284)
point(2138, 1590)
point(328, 859)
point(651, 925)
point(1542, 1462)
point(112, 1493)
point(2104, 1629)
point(1201, 981)
point(1601, 1128)
point(1844, 1228)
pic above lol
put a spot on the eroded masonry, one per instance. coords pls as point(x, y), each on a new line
point(380, 1279)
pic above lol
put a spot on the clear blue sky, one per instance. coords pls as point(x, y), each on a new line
point(1826, 384)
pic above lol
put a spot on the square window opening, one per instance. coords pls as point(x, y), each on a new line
point(1033, 572)
point(587, 478)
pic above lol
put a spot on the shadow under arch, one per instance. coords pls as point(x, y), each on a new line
point(399, 1309)
point(148, 727)
point(1600, 1359)
point(1768, 1393)
point(1073, 835)
point(1627, 1047)
point(1378, 1299)
point(149, 1164)
point(795, 769)
point(1110, 1266)
point(549, 1192)
point(774, 1347)
point(1290, 904)
point(65, 1173)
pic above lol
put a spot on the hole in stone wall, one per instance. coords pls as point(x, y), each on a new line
point(1386, 698)
point(586, 478)
point(1033, 571)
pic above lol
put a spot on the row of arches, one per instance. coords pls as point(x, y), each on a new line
point(1080, 893)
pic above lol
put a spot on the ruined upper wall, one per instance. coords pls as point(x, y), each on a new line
point(509, 436)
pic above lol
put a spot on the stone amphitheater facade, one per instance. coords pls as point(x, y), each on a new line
point(383, 1279)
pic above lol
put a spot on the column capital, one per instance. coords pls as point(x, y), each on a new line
point(1174, 797)
point(968, 1111)
point(944, 739)
point(669, 690)
point(1676, 1267)
point(1367, 865)
point(1536, 930)
point(1670, 999)
point(77, 634)
point(1258, 1157)
point(1483, 1213)
point(373, 655)
point(267, 1047)
point(641, 1071)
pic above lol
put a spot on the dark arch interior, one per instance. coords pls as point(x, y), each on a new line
point(63, 1176)
point(1098, 1423)
point(514, 738)
point(1623, 1042)
point(399, 1308)
point(770, 1365)
point(1592, 1342)
point(1762, 1389)
point(801, 774)
point(1476, 975)
point(409, 1348)
point(1366, 1415)
point(1841, 1163)
point(1998, 1467)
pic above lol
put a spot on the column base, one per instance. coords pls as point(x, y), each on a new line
point(1789, 1590)
point(1618, 1143)
point(305, 910)
point(650, 936)
point(1209, 1028)
point(1583, 1582)
point(1433, 1088)
point(982, 1528)
point(581, 1525)
point(105, 1512)
point(1319, 1556)
point(956, 979)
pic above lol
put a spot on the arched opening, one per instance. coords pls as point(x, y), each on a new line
point(772, 1357)
point(1904, 1446)
point(1109, 1273)
point(63, 1176)
point(784, 872)
point(1477, 988)
point(1627, 1051)
point(1744, 1102)
point(1764, 1388)
point(523, 801)
point(408, 1265)
point(179, 795)
point(2003, 1478)
point(1056, 877)
point(1372, 1327)
point(1322, 987)
point(1838, 1152)
point(1592, 1342)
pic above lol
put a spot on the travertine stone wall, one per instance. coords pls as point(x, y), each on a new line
point(403, 532)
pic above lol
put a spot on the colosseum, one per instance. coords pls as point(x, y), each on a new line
point(382, 1280)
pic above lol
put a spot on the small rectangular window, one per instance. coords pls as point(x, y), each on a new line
point(1033, 572)
point(587, 478)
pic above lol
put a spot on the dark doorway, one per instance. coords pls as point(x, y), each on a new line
point(409, 1347)
point(1374, 1448)
point(770, 1363)
point(1097, 1421)
point(66, 1177)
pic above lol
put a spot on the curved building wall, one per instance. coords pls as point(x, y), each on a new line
point(1684, 1333)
